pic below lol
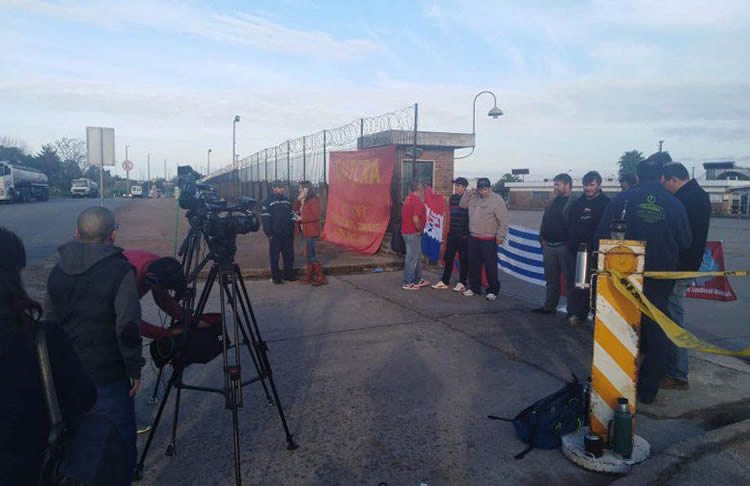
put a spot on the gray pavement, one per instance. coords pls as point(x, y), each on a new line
point(45, 225)
point(381, 384)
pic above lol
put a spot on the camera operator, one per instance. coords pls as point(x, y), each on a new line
point(24, 421)
point(92, 293)
point(278, 224)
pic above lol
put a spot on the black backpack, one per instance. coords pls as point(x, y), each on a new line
point(543, 424)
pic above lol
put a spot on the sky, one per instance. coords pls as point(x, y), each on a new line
point(580, 82)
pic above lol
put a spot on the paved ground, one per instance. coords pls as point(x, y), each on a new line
point(43, 226)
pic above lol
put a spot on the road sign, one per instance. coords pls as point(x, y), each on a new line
point(127, 165)
point(100, 146)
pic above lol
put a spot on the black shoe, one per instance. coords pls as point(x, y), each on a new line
point(293, 278)
point(544, 310)
point(278, 281)
point(647, 400)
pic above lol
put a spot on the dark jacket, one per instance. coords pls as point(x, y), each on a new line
point(583, 218)
point(92, 294)
point(698, 207)
point(554, 227)
point(655, 216)
point(459, 217)
point(24, 423)
point(277, 216)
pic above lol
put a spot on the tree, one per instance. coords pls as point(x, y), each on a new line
point(629, 162)
point(72, 150)
point(499, 186)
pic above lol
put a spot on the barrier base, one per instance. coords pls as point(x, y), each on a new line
point(572, 447)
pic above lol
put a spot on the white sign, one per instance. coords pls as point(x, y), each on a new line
point(100, 146)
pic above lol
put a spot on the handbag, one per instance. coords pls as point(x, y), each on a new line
point(89, 451)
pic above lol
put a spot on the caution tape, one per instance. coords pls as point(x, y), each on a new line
point(686, 275)
point(674, 332)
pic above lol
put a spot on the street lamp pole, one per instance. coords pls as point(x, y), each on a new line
point(234, 152)
point(127, 174)
point(208, 162)
point(495, 112)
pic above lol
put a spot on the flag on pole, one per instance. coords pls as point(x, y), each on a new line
point(433, 232)
point(520, 255)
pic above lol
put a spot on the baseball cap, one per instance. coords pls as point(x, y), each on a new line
point(461, 180)
point(483, 182)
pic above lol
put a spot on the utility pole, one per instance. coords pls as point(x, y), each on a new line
point(148, 169)
point(127, 174)
point(661, 142)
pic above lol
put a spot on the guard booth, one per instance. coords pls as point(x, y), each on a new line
point(433, 162)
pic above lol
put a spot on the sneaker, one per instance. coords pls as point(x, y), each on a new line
point(410, 286)
point(423, 283)
point(459, 287)
point(544, 310)
point(490, 296)
point(440, 285)
point(670, 383)
point(468, 293)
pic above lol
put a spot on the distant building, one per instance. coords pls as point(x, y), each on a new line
point(722, 171)
point(729, 197)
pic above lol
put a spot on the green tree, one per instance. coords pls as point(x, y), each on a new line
point(499, 186)
point(629, 162)
point(72, 150)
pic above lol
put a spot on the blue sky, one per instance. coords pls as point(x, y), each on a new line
point(580, 82)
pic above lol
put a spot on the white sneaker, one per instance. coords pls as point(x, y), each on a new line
point(459, 287)
point(439, 285)
point(468, 293)
point(490, 296)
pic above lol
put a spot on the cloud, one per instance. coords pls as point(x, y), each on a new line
point(237, 27)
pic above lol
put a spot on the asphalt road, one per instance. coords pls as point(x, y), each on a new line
point(43, 226)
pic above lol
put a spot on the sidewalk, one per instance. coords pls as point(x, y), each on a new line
point(150, 224)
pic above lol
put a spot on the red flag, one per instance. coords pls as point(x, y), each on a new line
point(712, 288)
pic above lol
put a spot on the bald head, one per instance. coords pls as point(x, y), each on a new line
point(95, 225)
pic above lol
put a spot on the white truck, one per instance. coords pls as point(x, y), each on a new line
point(136, 190)
point(84, 188)
point(22, 184)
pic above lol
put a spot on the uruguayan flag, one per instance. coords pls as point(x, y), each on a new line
point(520, 255)
point(433, 231)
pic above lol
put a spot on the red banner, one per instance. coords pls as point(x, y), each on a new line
point(359, 198)
point(712, 288)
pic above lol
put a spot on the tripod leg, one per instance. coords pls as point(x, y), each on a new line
point(262, 349)
point(155, 425)
point(247, 334)
point(155, 396)
point(170, 451)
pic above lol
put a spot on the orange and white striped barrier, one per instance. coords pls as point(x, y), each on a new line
point(617, 327)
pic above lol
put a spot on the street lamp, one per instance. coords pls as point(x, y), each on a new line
point(234, 150)
point(495, 112)
point(208, 163)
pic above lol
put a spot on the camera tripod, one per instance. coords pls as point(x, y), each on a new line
point(232, 292)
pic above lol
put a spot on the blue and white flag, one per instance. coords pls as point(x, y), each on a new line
point(520, 255)
point(433, 231)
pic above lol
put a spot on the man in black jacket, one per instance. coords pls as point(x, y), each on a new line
point(457, 240)
point(698, 206)
point(278, 224)
point(553, 236)
point(583, 218)
point(93, 295)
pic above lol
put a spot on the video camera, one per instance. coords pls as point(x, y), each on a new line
point(211, 214)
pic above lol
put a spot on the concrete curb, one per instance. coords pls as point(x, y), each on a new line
point(343, 269)
point(662, 467)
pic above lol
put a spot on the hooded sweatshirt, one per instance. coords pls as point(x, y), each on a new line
point(92, 293)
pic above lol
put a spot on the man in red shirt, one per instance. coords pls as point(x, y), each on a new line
point(413, 218)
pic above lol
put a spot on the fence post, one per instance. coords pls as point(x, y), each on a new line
point(276, 163)
point(304, 159)
point(414, 158)
point(361, 133)
point(288, 168)
point(266, 166)
point(324, 158)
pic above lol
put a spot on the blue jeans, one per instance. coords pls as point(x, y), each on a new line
point(310, 249)
point(412, 263)
point(677, 361)
point(114, 403)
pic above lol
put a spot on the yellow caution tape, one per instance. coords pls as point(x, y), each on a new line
point(675, 333)
point(685, 275)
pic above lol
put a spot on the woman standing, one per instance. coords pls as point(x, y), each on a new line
point(309, 219)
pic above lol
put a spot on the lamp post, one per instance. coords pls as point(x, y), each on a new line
point(208, 162)
point(234, 152)
point(127, 174)
point(495, 112)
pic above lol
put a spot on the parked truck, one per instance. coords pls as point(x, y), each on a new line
point(136, 190)
point(84, 188)
point(22, 184)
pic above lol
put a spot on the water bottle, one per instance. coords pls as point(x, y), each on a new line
point(623, 429)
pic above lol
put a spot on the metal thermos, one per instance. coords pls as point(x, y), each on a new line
point(623, 429)
point(619, 227)
point(582, 266)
